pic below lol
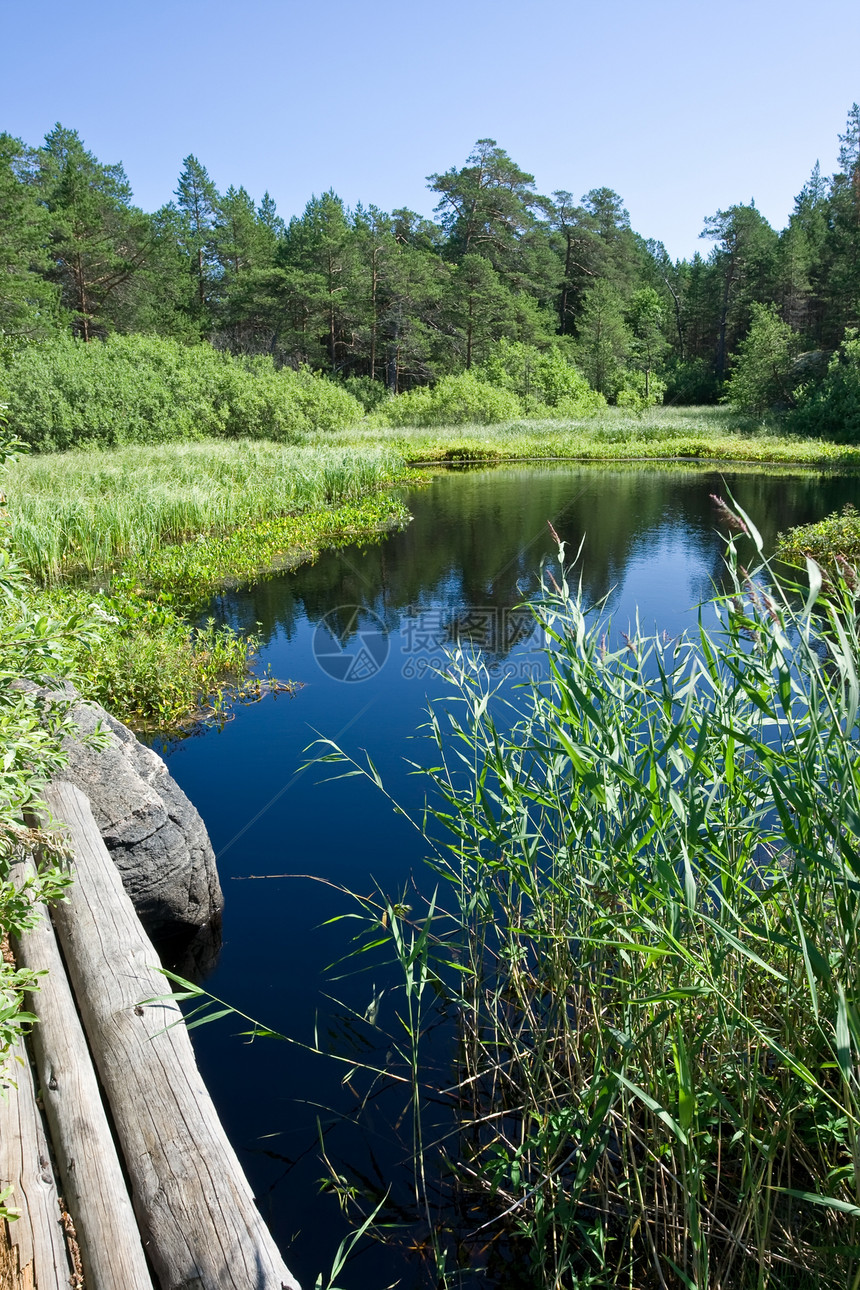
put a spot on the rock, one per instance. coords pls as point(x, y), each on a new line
point(155, 835)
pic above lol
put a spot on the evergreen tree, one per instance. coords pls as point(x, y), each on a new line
point(603, 340)
point(761, 372)
point(244, 244)
point(841, 268)
point(490, 208)
point(645, 317)
point(28, 301)
point(745, 262)
point(197, 203)
point(576, 247)
point(322, 246)
point(99, 242)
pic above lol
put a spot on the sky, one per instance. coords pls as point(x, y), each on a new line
point(682, 106)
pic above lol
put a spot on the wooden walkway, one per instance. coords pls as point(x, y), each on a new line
point(168, 1206)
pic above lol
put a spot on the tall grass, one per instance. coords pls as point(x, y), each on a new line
point(79, 512)
point(648, 931)
point(717, 434)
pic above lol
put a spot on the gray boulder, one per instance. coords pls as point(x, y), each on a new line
point(153, 832)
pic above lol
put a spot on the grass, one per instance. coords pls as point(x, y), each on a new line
point(81, 512)
point(714, 433)
point(141, 536)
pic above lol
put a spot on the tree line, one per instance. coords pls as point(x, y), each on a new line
point(365, 295)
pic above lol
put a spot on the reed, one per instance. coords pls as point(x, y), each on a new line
point(647, 927)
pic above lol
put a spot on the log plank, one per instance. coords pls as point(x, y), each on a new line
point(36, 1257)
point(194, 1206)
point(94, 1188)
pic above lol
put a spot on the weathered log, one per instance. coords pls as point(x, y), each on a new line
point(200, 1226)
point(37, 1257)
point(93, 1185)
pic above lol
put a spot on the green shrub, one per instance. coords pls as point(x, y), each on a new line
point(455, 400)
point(832, 540)
point(370, 393)
point(690, 381)
point(832, 408)
point(632, 393)
point(762, 367)
point(146, 389)
point(543, 380)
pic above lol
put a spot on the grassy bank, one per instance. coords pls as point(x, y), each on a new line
point(712, 433)
point(80, 512)
point(145, 534)
point(139, 537)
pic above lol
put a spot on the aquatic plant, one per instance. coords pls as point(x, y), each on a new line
point(143, 535)
point(834, 539)
point(80, 512)
point(646, 930)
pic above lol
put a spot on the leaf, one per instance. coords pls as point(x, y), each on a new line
point(843, 1038)
point(659, 1111)
point(827, 1202)
point(815, 580)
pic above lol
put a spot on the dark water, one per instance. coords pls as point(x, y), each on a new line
point(471, 554)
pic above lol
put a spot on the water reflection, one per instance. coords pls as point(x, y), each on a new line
point(478, 538)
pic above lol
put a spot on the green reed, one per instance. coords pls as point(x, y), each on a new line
point(647, 927)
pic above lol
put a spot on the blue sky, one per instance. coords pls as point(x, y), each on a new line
point(681, 106)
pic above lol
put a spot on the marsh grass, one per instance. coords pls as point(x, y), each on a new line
point(81, 512)
point(713, 433)
point(141, 536)
point(647, 927)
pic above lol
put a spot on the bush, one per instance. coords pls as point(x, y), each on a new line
point(761, 375)
point(146, 389)
point(455, 400)
point(690, 381)
point(631, 393)
point(832, 408)
point(370, 393)
point(543, 380)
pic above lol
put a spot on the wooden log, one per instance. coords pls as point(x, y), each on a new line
point(36, 1256)
point(94, 1188)
point(194, 1206)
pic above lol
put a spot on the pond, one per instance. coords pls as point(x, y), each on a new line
point(363, 631)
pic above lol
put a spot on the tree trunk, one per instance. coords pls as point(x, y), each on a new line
point(469, 325)
point(374, 283)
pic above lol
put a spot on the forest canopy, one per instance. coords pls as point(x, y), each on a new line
point(390, 301)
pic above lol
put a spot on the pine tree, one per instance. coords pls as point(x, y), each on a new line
point(99, 243)
point(28, 302)
point(197, 201)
